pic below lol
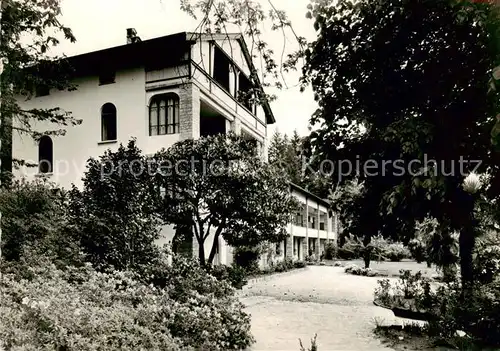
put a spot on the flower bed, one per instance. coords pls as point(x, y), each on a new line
point(365, 272)
point(410, 298)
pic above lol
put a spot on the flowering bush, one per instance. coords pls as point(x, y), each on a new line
point(411, 291)
point(81, 309)
point(395, 252)
point(487, 258)
point(234, 275)
point(182, 276)
point(477, 318)
point(101, 311)
point(283, 266)
point(367, 272)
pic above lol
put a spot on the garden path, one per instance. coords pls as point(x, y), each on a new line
point(320, 300)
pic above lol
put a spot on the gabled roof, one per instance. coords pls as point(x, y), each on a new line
point(155, 53)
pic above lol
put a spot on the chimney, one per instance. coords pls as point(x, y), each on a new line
point(132, 36)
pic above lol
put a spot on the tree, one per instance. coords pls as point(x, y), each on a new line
point(291, 155)
point(405, 88)
point(249, 18)
point(115, 211)
point(29, 67)
point(218, 186)
point(36, 222)
point(286, 153)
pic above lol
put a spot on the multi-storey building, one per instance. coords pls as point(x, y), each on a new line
point(159, 91)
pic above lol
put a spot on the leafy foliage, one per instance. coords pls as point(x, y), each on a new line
point(395, 252)
point(374, 68)
point(330, 250)
point(115, 211)
point(436, 246)
point(287, 153)
point(35, 220)
point(247, 258)
point(81, 309)
point(379, 249)
point(487, 258)
point(444, 308)
point(291, 154)
point(218, 183)
point(248, 17)
point(410, 292)
point(206, 312)
point(28, 64)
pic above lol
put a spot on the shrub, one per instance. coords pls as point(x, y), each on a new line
point(356, 270)
point(418, 250)
point(411, 291)
point(102, 311)
point(116, 210)
point(35, 220)
point(475, 312)
point(478, 318)
point(81, 309)
point(378, 246)
point(182, 276)
point(234, 275)
point(299, 264)
point(351, 250)
point(247, 258)
point(487, 258)
point(330, 250)
point(189, 284)
point(395, 252)
point(283, 266)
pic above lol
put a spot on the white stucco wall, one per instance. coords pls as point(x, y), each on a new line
point(131, 95)
point(81, 142)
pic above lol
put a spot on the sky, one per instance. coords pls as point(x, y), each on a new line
point(99, 24)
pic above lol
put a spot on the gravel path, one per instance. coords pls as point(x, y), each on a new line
point(317, 300)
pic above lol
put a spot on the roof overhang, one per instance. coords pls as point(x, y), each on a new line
point(148, 53)
point(310, 195)
point(194, 36)
point(155, 53)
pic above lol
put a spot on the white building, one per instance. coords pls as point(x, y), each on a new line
point(159, 91)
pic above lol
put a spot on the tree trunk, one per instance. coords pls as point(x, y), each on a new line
point(466, 243)
point(367, 250)
point(366, 259)
point(6, 152)
point(201, 252)
point(213, 251)
point(466, 247)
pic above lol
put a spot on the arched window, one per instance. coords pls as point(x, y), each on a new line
point(45, 154)
point(108, 122)
point(164, 114)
